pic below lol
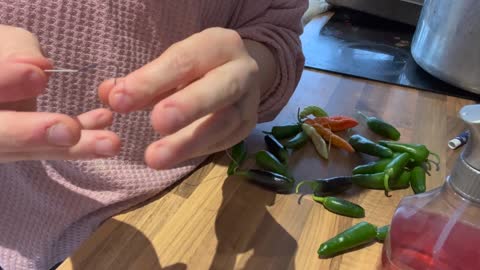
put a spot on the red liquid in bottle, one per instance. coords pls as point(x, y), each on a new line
point(428, 242)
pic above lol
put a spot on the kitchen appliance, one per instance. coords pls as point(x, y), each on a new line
point(358, 44)
point(447, 42)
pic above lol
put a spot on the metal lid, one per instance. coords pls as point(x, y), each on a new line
point(465, 177)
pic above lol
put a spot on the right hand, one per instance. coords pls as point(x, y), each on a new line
point(29, 135)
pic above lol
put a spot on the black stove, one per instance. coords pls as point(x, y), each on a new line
point(361, 45)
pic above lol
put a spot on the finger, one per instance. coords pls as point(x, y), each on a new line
point(249, 106)
point(192, 140)
point(21, 65)
point(19, 81)
point(96, 119)
point(179, 65)
point(107, 86)
point(22, 130)
point(20, 43)
point(26, 105)
point(93, 144)
point(220, 88)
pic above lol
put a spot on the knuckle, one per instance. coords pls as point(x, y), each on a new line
point(233, 38)
point(228, 37)
point(25, 35)
point(22, 32)
point(252, 65)
point(234, 85)
point(182, 61)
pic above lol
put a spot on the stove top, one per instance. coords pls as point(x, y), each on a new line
point(369, 47)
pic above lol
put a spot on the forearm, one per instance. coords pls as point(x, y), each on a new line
point(267, 65)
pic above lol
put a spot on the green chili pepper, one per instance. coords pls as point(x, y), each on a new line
point(403, 181)
point(313, 110)
point(341, 206)
point(317, 140)
point(269, 162)
point(270, 180)
point(374, 166)
point(394, 169)
point(298, 141)
point(358, 235)
point(284, 132)
point(276, 148)
point(366, 146)
point(328, 186)
point(417, 181)
point(418, 152)
point(370, 181)
point(381, 127)
point(239, 154)
point(377, 181)
point(382, 233)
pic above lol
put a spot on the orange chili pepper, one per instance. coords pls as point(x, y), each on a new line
point(329, 136)
point(336, 123)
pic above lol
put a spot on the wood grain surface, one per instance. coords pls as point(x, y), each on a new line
point(209, 221)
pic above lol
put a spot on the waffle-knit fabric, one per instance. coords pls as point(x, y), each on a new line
point(48, 208)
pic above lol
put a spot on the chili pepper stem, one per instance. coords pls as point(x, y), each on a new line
point(299, 119)
point(230, 156)
point(436, 156)
point(232, 160)
point(300, 198)
point(437, 165)
point(385, 183)
point(363, 115)
point(428, 165)
point(299, 185)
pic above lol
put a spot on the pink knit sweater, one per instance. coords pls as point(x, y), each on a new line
point(48, 208)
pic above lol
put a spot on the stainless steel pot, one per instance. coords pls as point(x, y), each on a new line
point(447, 42)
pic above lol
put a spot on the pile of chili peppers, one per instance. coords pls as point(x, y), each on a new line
point(399, 166)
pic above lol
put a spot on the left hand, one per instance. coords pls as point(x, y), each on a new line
point(205, 94)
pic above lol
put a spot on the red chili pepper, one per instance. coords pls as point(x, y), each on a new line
point(336, 123)
point(329, 136)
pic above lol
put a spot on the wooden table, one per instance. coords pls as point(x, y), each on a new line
point(209, 221)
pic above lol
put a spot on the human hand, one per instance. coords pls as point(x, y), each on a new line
point(29, 135)
point(205, 94)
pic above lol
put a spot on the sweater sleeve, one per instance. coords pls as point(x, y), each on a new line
point(277, 24)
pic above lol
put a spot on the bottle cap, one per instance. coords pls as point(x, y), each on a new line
point(458, 141)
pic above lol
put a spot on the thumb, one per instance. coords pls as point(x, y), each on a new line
point(21, 65)
point(20, 81)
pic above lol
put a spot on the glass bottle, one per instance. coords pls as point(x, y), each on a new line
point(440, 229)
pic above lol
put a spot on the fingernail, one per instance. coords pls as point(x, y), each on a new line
point(60, 135)
point(162, 157)
point(105, 147)
point(121, 102)
point(37, 80)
